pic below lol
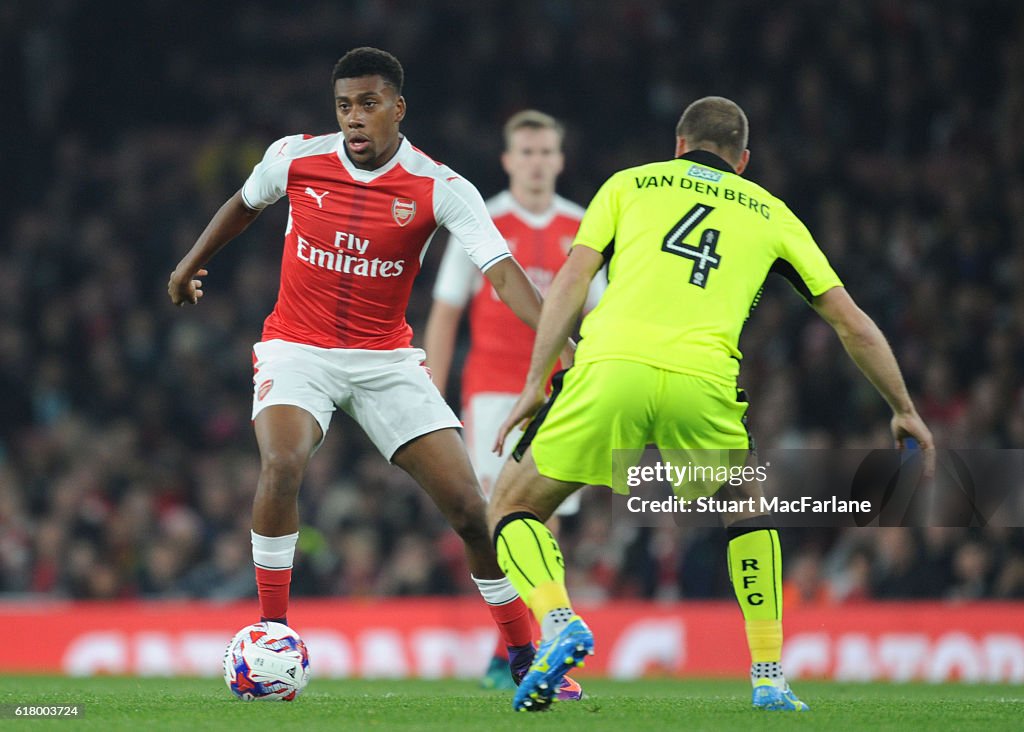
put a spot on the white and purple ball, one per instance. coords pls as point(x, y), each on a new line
point(266, 662)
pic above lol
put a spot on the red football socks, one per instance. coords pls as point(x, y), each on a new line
point(273, 586)
point(514, 622)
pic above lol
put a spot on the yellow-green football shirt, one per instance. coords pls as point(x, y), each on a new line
point(689, 245)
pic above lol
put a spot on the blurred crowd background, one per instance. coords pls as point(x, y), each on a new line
point(127, 461)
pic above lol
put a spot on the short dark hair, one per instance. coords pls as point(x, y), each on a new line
point(367, 61)
point(715, 120)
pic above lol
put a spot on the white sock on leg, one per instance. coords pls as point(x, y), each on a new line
point(496, 591)
point(554, 621)
point(771, 670)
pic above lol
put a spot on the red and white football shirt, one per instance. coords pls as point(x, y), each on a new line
point(500, 343)
point(355, 238)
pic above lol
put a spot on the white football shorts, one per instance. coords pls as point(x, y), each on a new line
point(389, 393)
point(484, 414)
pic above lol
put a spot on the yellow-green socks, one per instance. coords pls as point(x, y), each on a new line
point(755, 568)
point(529, 556)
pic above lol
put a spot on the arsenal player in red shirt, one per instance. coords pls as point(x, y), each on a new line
point(363, 206)
point(539, 227)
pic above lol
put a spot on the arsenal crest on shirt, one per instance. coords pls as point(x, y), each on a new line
point(403, 210)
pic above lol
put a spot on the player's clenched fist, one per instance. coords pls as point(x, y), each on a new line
point(185, 288)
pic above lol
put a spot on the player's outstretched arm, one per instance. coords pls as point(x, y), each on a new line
point(230, 220)
point(558, 318)
point(439, 341)
point(867, 346)
point(516, 290)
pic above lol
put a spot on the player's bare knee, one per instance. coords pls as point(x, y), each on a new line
point(498, 508)
point(507, 498)
point(282, 470)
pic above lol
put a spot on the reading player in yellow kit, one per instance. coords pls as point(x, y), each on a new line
point(689, 244)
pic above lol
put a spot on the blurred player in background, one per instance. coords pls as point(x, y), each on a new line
point(363, 206)
point(689, 244)
point(539, 226)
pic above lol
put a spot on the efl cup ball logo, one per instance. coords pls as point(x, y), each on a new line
point(403, 210)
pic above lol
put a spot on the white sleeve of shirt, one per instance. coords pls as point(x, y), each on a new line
point(269, 179)
point(597, 287)
point(457, 277)
point(459, 207)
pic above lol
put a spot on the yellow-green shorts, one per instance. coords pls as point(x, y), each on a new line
point(599, 407)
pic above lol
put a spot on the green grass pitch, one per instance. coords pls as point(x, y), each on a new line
point(657, 704)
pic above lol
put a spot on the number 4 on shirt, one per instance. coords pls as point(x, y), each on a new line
point(704, 256)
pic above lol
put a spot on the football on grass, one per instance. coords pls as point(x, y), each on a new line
point(266, 662)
